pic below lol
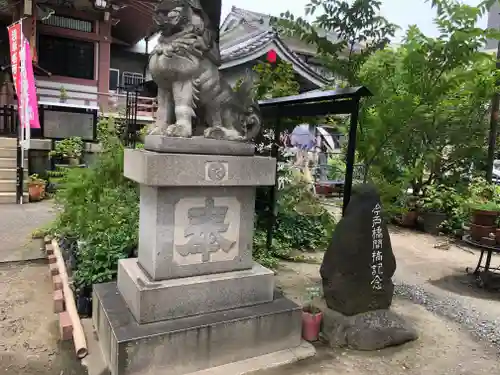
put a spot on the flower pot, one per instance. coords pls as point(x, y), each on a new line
point(36, 192)
point(73, 161)
point(311, 324)
point(409, 219)
point(433, 221)
point(479, 231)
point(488, 241)
point(484, 218)
point(84, 303)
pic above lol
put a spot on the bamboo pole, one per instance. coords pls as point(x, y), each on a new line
point(69, 300)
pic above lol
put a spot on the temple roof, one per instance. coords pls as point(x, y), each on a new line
point(255, 44)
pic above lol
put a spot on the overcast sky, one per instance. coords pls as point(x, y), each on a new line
point(401, 12)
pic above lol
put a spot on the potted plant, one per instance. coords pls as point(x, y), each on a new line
point(63, 95)
point(484, 218)
point(36, 188)
point(410, 214)
point(69, 149)
point(485, 213)
point(432, 208)
point(311, 316)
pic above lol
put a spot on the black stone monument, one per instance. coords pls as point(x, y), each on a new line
point(357, 272)
point(358, 266)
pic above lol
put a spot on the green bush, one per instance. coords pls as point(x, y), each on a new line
point(302, 223)
point(99, 208)
point(336, 170)
point(68, 148)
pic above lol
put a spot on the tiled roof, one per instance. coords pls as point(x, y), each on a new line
point(258, 44)
point(248, 46)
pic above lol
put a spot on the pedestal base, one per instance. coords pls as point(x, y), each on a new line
point(186, 345)
point(152, 301)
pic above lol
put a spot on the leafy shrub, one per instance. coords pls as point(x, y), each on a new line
point(302, 223)
point(100, 209)
point(68, 148)
point(336, 168)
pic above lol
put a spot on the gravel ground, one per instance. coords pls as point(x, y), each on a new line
point(477, 323)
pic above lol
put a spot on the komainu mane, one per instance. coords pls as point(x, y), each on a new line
point(185, 66)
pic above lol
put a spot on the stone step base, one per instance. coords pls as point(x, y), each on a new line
point(263, 362)
point(151, 301)
point(185, 345)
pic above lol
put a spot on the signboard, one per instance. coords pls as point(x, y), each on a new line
point(63, 124)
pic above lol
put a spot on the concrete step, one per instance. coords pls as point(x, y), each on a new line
point(8, 142)
point(9, 186)
point(7, 163)
point(10, 174)
point(8, 153)
point(6, 198)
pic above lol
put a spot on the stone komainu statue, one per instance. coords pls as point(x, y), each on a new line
point(185, 66)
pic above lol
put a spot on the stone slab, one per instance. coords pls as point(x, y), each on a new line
point(263, 362)
point(197, 145)
point(151, 301)
point(185, 345)
point(177, 228)
point(161, 169)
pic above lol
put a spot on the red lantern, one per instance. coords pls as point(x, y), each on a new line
point(272, 56)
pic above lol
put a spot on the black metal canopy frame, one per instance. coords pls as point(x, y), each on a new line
point(310, 104)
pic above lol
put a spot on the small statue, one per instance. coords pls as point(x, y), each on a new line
point(185, 66)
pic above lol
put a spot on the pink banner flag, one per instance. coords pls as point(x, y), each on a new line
point(23, 77)
point(30, 83)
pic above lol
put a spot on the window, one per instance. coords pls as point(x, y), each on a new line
point(114, 79)
point(130, 79)
point(66, 57)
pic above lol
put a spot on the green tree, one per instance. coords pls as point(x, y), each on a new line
point(345, 33)
point(273, 80)
point(427, 119)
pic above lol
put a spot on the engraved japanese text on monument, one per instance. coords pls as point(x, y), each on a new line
point(206, 232)
point(377, 241)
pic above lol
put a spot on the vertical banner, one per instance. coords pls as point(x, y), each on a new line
point(14, 32)
point(29, 81)
point(24, 84)
point(23, 77)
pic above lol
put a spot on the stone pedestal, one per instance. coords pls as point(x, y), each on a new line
point(194, 299)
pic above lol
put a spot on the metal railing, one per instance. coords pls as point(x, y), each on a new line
point(109, 103)
point(9, 121)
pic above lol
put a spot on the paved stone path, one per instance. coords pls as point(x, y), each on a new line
point(17, 222)
point(29, 334)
